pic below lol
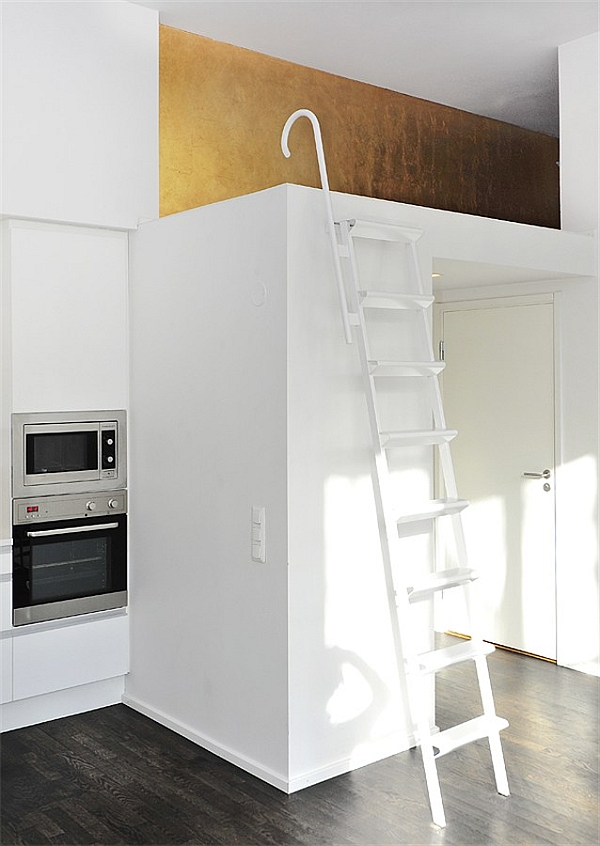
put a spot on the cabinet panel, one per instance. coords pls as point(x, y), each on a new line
point(69, 317)
point(56, 659)
point(6, 670)
point(6, 602)
point(80, 112)
point(5, 558)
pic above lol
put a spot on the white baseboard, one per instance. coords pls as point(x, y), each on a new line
point(61, 703)
point(243, 762)
point(591, 668)
point(376, 752)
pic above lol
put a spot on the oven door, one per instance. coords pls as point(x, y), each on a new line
point(69, 567)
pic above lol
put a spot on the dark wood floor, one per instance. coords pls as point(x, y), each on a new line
point(113, 776)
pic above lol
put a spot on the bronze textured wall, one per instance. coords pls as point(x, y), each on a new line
point(222, 109)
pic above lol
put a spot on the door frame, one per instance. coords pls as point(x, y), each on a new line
point(480, 298)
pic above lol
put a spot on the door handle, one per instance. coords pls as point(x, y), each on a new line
point(72, 530)
point(545, 474)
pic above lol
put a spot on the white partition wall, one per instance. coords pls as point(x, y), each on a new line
point(207, 443)
point(245, 394)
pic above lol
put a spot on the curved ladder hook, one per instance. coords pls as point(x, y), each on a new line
point(328, 206)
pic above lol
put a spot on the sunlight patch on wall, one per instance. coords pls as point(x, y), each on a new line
point(577, 544)
point(485, 529)
point(537, 564)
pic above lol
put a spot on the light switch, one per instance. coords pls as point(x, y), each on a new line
point(257, 539)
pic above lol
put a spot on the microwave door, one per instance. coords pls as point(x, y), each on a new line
point(64, 453)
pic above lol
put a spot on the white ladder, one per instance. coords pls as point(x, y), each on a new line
point(400, 595)
point(416, 666)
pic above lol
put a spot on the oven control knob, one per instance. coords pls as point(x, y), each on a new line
point(113, 503)
point(91, 505)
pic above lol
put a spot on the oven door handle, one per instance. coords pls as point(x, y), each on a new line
point(71, 530)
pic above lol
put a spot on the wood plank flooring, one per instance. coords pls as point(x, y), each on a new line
point(113, 776)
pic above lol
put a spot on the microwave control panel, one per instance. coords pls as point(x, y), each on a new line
point(108, 450)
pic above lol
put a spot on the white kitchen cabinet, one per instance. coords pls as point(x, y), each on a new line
point(6, 645)
point(5, 602)
point(72, 654)
point(5, 558)
point(69, 317)
point(79, 118)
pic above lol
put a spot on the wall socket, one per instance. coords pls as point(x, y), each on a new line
point(258, 534)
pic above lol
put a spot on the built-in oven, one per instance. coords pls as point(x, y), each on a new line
point(69, 555)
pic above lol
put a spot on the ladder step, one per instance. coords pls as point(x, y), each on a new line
point(457, 736)
point(391, 299)
point(443, 580)
point(419, 437)
point(406, 368)
point(440, 659)
point(381, 230)
point(433, 508)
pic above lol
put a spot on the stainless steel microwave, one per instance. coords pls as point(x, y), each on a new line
point(68, 452)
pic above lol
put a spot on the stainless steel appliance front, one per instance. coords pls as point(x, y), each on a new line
point(69, 555)
point(68, 452)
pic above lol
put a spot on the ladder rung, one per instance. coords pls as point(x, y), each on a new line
point(443, 580)
point(391, 299)
point(440, 659)
point(433, 508)
point(457, 736)
point(406, 368)
point(381, 230)
point(419, 437)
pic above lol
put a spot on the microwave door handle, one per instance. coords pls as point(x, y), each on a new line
point(71, 530)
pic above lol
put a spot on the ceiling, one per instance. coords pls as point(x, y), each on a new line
point(496, 58)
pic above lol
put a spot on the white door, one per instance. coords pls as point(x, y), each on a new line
point(498, 389)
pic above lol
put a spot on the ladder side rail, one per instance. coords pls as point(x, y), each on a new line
point(439, 418)
point(487, 696)
point(346, 319)
point(436, 395)
point(386, 519)
point(447, 466)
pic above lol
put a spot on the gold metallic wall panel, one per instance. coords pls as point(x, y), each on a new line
point(222, 109)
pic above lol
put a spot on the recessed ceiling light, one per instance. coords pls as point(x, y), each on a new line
point(436, 275)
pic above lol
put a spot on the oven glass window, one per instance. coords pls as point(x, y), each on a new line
point(69, 569)
point(61, 452)
point(63, 560)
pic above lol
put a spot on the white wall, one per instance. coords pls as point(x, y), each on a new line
point(578, 506)
point(579, 137)
point(79, 117)
point(208, 441)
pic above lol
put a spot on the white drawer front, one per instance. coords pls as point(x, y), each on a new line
point(68, 656)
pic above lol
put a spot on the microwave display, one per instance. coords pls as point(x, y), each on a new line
point(61, 452)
